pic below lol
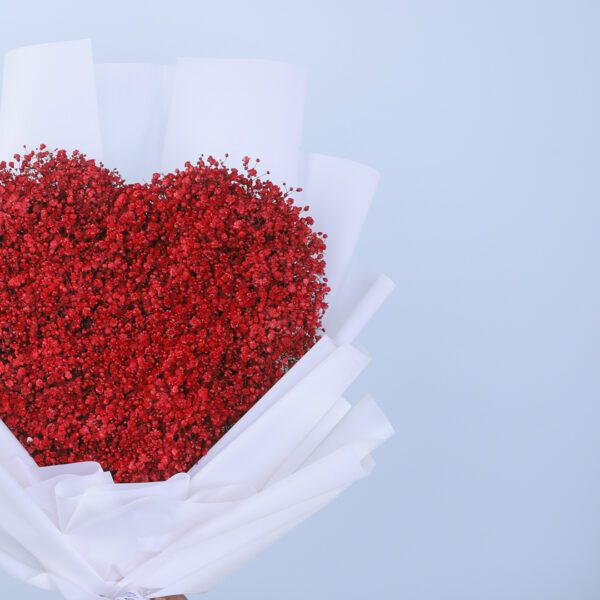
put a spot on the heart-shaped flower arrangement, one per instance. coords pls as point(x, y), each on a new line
point(139, 322)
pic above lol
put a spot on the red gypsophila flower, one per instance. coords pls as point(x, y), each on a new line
point(139, 322)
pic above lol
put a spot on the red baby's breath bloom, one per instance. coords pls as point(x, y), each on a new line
point(139, 322)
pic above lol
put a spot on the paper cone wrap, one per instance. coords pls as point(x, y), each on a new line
point(70, 527)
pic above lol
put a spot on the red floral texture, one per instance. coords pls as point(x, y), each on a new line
point(139, 322)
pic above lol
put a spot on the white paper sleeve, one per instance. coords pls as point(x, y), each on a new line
point(49, 97)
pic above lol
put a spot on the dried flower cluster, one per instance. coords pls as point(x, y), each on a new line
point(139, 322)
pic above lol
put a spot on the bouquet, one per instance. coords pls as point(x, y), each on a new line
point(177, 326)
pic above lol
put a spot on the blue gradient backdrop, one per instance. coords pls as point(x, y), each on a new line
point(483, 118)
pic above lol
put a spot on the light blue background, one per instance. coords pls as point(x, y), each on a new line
point(483, 118)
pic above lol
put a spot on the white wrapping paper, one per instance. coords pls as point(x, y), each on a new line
point(70, 527)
